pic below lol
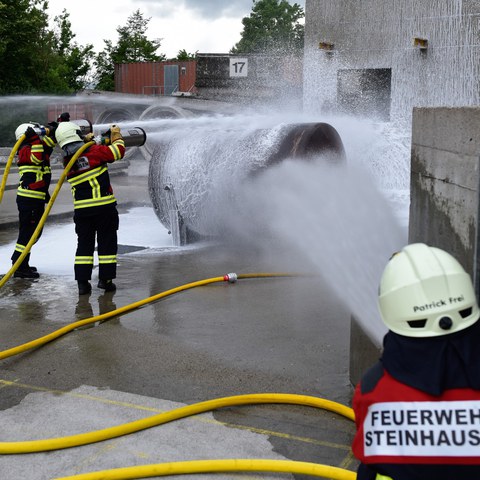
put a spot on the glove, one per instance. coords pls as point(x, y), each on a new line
point(47, 150)
point(89, 137)
point(52, 126)
point(30, 133)
point(115, 133)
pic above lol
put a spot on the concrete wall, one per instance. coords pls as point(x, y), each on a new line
point(269, 78)
point(365, 349)
point(444, 182)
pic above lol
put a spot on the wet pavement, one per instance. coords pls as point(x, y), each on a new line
point(258, 335)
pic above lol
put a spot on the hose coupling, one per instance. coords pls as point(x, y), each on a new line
point(230, 277)
point(40, 130)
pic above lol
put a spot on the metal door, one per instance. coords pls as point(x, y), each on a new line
point(171, 79)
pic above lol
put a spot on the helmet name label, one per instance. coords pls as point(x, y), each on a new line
point(438, 304)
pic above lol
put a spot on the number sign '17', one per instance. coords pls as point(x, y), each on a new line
point(238, 67)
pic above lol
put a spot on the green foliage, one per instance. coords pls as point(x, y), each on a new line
point(22, 36)
point(273, 26)
point(74, 64)
point(34, 59)
point(132, 46)
point(184, 56)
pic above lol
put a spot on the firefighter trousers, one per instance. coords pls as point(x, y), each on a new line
point(28, 220)
point(100, 224)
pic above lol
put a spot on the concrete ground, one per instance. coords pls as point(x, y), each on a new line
point(259, 335)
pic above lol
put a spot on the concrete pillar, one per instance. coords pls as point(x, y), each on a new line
point(365, 349)
point(444, 207)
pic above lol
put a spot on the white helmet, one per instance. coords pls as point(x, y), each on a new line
point(425, 292)
point(68, 132)
point(21, 129)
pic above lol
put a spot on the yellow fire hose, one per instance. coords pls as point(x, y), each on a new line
point(8, 165)
point(218, 466)
point(127, 308)
point(181, 467)
point(49, 206)
point(35, 446)
point(174, 468)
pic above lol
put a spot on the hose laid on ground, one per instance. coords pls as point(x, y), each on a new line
point(218, 466)
point(49, 206)
point(105, 316)
point(8, 165)
point(31, 446)
point(175, 468)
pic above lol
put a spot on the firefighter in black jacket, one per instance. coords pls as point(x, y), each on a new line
point(32, 193)
point(417, 411)
point(95, 212)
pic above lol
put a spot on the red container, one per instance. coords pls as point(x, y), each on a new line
point(155, 78)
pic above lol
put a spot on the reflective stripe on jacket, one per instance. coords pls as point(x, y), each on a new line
point(34, 170)
point(89, 176)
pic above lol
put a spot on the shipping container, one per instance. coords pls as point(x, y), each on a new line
point(156, 78)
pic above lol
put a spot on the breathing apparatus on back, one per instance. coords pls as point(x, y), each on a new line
point(51, 129)
point(68, 133)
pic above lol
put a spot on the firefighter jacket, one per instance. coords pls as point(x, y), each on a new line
point(417, 411)
point(89, 178)
point(34, 170)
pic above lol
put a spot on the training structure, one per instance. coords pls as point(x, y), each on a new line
point(186, 189)
point(380, 59)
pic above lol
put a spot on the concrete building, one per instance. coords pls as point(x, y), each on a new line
point(381, 58)
point(251, 78)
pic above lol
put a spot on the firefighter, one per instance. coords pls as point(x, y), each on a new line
point(417, 411)
point(95, 212)
point(32, 192)
point(63, 117)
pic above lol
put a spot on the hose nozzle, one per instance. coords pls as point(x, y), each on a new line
point(132, 137)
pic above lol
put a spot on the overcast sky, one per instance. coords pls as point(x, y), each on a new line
point(206, 26)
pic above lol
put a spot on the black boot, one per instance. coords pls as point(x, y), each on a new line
point(84, 287)
point(107, 285)
point(25, 272)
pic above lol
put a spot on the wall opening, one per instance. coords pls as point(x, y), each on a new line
point(365, 92)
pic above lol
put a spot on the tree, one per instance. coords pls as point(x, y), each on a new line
point(132, 46)
point(273, 26)
point(35, 59)
point(23, 35)
point(184, 56)
point(74, 65)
